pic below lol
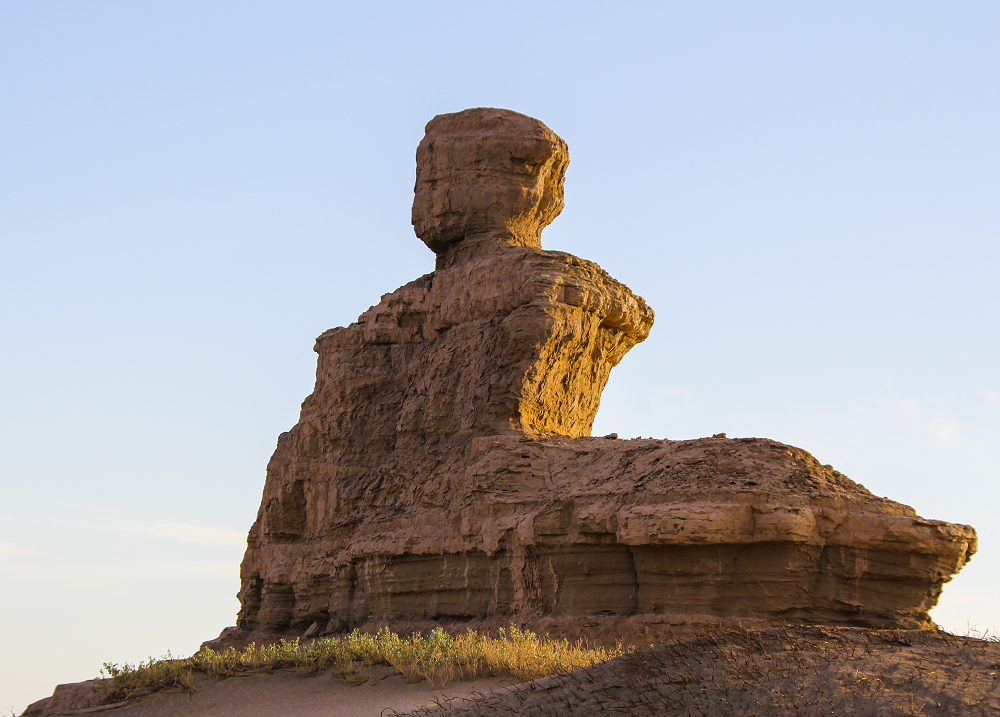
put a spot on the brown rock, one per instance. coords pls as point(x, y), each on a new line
point(487, 173)
point(68, 698)
point(442, 468)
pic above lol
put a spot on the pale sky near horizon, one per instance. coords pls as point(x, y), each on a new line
point(190, 193)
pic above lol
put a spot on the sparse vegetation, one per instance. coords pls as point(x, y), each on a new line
point(438, 658)
point(770, 672)
point(133, 680)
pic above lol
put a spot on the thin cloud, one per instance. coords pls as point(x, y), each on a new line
point(224, 570)
point(19, 520)
point(917, 416)
point(992, 397)
point(187, 533)
point(12, 549)
point(944, 430)
point(172, 531)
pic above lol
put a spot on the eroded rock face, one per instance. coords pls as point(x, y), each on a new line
point(443, 466)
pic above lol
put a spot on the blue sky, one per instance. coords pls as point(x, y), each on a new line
point(191, 192)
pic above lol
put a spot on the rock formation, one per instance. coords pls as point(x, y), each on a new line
point(443, 466)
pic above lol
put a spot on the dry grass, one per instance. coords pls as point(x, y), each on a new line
point(128, 681)
point(438, 658)
point(772, 672)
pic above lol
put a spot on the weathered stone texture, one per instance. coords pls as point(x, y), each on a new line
point(443, 466)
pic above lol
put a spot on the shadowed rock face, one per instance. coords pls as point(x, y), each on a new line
point(443, 466)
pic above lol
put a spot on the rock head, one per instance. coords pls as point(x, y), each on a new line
point(443, 469)
point(487, 173)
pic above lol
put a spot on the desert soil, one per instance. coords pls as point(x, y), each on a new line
point(286, 693)
point(769, 673)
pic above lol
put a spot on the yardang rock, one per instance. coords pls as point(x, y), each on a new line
point(443, 466)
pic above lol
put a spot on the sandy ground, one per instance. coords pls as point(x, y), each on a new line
point(287, 693)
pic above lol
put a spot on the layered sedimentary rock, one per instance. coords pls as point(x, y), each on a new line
point(443, 466)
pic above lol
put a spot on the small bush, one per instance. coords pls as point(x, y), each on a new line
point(128, 681)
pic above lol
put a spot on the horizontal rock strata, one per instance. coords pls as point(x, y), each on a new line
point(713, 526)
point(443, 466)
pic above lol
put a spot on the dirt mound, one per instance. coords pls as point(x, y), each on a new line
point(770, 673)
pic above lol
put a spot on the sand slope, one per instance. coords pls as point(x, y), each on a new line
point(768, 673)
point(287, 693)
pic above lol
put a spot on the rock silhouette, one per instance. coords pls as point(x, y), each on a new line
point(443, 466)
